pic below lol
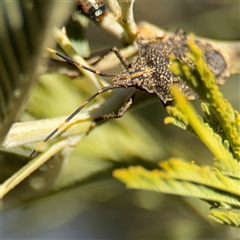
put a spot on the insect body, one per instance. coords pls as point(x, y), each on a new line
point(149, 71)
point(94, 9)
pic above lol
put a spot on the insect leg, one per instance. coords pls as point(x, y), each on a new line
point(77, 64)
point(102, 90)
point(121, 58)
point(115, 50)
point(120, 112)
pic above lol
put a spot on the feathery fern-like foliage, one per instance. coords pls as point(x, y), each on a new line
point(219, 130)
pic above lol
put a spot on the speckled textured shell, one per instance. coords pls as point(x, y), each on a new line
point(149, 71)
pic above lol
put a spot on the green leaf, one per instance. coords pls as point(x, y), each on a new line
point(218, 109)
point(183, 178)
point(225, 217)
point(212, 140)
point(230, 168)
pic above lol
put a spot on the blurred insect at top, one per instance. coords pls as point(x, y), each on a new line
point(94, 9)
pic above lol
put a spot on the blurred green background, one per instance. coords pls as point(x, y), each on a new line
point(100, 207)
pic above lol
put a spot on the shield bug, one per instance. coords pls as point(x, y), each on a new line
point(149, 71)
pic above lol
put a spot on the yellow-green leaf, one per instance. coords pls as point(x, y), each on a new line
point(183, 178)
point(225, 217)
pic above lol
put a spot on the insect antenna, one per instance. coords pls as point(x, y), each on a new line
point(100, 91)
point(77, 64)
